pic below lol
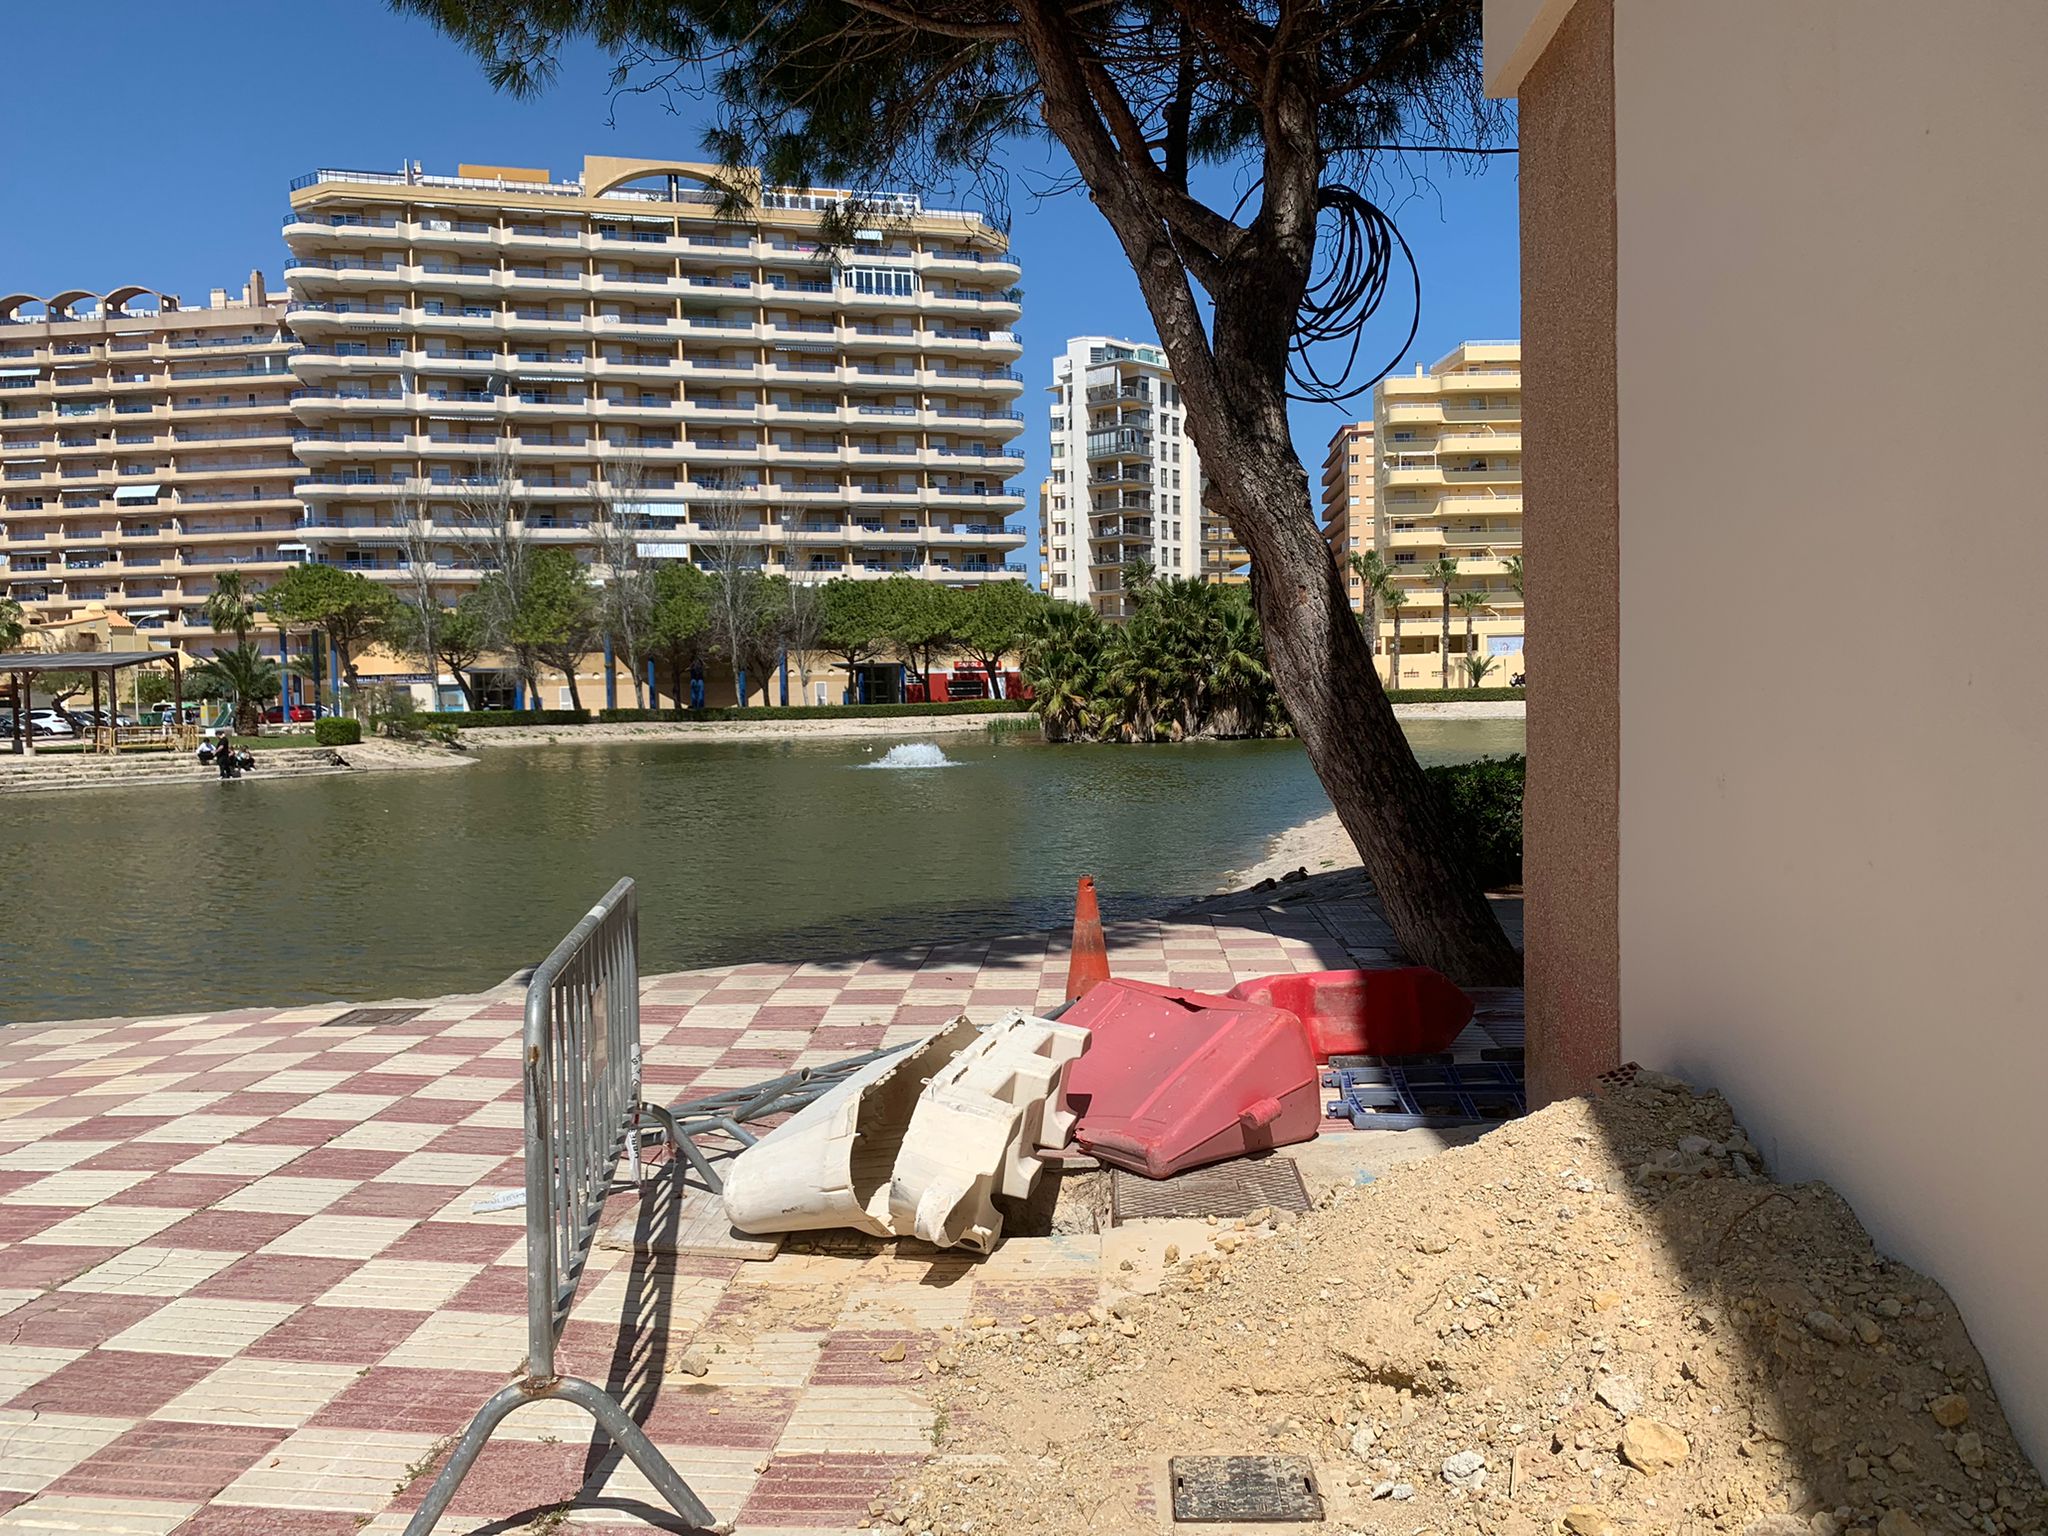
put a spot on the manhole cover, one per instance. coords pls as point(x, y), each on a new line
point(359, 1018)
point(1213, 1489)
point(1222, 1189)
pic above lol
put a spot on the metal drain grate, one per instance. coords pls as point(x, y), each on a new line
point(1215, 1489)
point(360, 1018)
point(1222, 1189)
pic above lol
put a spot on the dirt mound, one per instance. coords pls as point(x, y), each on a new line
point(1603, 1319)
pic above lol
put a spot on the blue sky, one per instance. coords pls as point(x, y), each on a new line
point(172, 170)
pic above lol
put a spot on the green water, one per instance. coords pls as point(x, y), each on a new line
point(171, 898)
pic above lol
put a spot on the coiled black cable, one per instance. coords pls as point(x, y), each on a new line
point(1346, 292)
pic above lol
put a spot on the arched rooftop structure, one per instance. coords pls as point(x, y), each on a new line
point(604, 173)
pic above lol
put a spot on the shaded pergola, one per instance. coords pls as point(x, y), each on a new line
point(102, 666)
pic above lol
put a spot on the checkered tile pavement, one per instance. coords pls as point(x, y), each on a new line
point(244, 1288)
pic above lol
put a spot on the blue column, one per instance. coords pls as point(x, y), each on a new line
point(785, 680)
point(653, 695)
point(739, 678)
point(611, 681)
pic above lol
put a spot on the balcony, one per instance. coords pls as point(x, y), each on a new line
point(1124, 443)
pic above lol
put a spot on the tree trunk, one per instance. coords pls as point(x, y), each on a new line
point(1394, 661)
point(462, 681)
point(1470, 680)
point(1444, 661)
point(1371, 617)
point(1325, 674)
point(575, 695)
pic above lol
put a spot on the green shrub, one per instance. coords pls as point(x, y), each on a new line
point(1452, 695)
point(1485, 802)
point(480, 719)
point(337, 733)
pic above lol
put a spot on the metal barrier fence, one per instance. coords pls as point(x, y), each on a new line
point(583, 1107)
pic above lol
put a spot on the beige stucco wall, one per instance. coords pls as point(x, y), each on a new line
point(1832, 321)
point(1570, 533)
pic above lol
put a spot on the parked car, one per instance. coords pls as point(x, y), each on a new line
point(85, 719)
point(51, 722)
point(276, 714)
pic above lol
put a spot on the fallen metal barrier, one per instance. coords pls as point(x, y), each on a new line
point(727, 1113)
point(583, 1108)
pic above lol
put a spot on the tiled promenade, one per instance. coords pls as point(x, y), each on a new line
point(244, 1290)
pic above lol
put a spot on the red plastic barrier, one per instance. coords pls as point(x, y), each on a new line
point(1174, 1079)
point(1408, 1011)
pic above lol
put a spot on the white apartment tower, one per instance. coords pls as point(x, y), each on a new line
point(849, 411)
point(1126, 483)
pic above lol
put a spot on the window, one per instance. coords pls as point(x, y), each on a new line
point(887, 282)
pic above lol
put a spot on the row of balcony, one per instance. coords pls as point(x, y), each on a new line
point(317, 487)
point(822, 334)
point(311, 277)
point(308, 230)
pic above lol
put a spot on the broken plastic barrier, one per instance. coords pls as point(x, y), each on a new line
point(977, 1128)
point(917, 1143)
point(829, 1164)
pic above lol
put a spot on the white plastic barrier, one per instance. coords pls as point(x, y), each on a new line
point(918, 1144)
point(976, 1128)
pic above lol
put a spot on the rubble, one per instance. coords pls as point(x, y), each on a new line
point(1515, 1338)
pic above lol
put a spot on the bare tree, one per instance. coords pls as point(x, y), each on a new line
point(489, 527)
point(729, 545)
point(421, 633)
point(803, 610)
point(626, 596)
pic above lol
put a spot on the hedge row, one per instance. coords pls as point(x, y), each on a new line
point(1485, 802)
point(1452, 695)
point(337, 733)
point(483, 719)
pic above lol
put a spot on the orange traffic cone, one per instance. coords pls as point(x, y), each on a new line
point(1088, 958)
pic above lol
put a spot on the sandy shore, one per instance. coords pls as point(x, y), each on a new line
point(376, 754)
point(766, 729)
point(1319, 846)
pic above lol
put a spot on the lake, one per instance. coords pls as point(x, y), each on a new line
point(175, 898)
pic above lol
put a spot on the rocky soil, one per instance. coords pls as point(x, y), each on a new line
point(1602, 1320)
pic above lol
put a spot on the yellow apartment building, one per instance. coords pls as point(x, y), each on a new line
point(145, 451)
point(1348, 503)
point(1447, 486)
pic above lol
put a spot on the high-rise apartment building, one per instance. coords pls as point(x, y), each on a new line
point(836, 412)
point(145, 451)
point(1348, 503)
point(618, 338)
point(1448, 487)
point(1126, 482)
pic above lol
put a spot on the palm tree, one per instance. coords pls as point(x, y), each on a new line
point(246, 678)
point(1372, 570)
point(1476, 668)
point(1469, 604)
point(12, 625)
point(231, 609)
point(1058, 664)
point(1514, 565)
point(1395, 599)
point(1443, 573)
